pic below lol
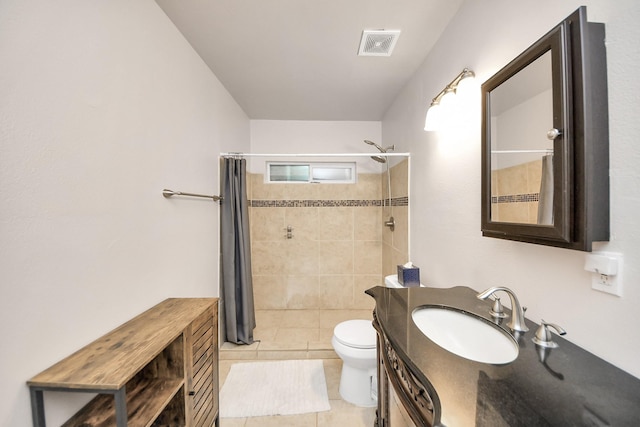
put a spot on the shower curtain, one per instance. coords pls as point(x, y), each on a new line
point(237, 287)
point(545, 200)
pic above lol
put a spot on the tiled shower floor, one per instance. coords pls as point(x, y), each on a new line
point(292, 334)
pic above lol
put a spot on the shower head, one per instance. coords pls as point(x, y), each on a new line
point(366, 141)
point(382, 150)
point(379, 159)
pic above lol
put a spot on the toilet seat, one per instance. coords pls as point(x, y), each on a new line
point(356, 334)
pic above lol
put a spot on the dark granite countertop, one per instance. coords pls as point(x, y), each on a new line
point(571, 388)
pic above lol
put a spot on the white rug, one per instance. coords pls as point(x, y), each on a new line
point(282, 387)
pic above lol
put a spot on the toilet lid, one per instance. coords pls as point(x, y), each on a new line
point(356, 333)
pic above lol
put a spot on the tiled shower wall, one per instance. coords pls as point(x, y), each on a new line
point(395, 245)
point(515, 192)
point(338, 248)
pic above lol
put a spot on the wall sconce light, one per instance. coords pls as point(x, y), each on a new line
point(445, 99)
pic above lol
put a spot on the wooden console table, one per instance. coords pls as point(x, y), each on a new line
point(158, 369)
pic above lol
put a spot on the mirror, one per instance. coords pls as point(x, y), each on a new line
point(521, 153)
point(545, 142)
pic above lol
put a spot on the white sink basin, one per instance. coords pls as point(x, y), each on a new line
point(466, 335)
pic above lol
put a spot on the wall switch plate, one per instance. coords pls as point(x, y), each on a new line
point(609, 283)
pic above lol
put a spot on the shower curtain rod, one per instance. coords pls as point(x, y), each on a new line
point(168, 193)
point(235, 155)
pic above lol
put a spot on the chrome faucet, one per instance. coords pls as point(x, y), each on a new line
point(517, 312)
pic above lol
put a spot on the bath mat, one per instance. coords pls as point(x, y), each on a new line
point(282, 387)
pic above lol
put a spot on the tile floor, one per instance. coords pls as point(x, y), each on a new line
point(298, 334)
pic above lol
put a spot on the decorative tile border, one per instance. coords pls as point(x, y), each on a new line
point(399, 201)
point(516, 198)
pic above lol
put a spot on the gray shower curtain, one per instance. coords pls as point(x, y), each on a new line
point(239, 318)
point(545, 200)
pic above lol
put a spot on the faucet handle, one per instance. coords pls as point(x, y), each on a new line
point(497, 311)
point(543, 336)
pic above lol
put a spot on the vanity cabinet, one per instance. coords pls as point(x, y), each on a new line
point(158, 369)
point(421, 383)
point(404, 400)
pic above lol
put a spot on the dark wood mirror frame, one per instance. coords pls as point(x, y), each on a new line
point(581, 152)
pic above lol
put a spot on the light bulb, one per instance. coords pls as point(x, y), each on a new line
point(432, 121)
point(448, 99)
point(466, 88)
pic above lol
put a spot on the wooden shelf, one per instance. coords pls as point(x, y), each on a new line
point(145, 401)
point(158, 369)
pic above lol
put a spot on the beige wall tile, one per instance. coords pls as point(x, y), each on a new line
point(302, 292)
point(336, 191)
point(367, 223)
point(368, 187)
point(513, 180)
point(534, 176)
point(269, 291)
point(400, 235)
point(263, 191)
point(400, 179)
point(335, 291)
point(330, 318)
point(495, 212)
point(299, 191)
point(361, 284)
point(264, 334)
point(300, 319)
point(519, 179)
point(335, 223)
point(267, 224)
point(325, 335)
point(514, 212)
point(388, 266)
point(368, 259)
point(335, 254)
point(297, 334)
point(398, 258)
point(268, 257)
point(387, 234)
point(304, 222)
point(533, 212)
point(269, 319)
point(336, 257)
point(301, 257)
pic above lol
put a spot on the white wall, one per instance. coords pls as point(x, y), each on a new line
point(445, 202)
point(104, 104)
point(316, 137)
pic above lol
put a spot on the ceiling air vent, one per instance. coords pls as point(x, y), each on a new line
point(378, 42)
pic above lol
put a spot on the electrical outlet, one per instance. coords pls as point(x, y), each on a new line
point(611, 284)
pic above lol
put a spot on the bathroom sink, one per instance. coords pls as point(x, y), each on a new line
point(466, 335)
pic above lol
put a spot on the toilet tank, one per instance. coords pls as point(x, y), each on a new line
point(391, 281)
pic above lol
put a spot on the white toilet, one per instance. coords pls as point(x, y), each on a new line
point(355, 343)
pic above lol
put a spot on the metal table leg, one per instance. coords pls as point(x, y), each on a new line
point(37, 407)
point(121, 407)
